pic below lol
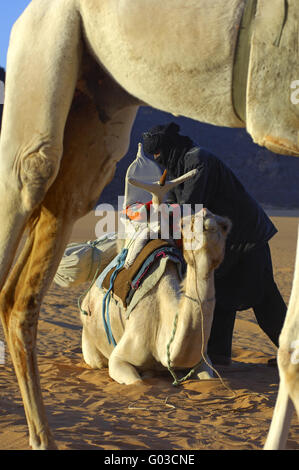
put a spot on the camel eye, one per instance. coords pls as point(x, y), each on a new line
point(225, 225)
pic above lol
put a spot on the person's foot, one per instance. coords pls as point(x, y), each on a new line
point(219, 360)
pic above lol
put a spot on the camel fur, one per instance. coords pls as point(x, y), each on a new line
point(77, 70)
point(143, 337)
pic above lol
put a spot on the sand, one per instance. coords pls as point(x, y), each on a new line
point(88, 410)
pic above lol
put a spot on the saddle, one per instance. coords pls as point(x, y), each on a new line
point(129, 280)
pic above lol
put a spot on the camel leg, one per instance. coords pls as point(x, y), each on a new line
point(120, 369)
point(283, 412)
point(288, 364)
point(42, 69)
point(85, 169)
point(92, 356)
point(20, 303)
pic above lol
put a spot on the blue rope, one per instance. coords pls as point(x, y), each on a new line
point(107, 297)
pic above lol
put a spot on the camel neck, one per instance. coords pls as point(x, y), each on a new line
point(199, 281)
point(195, 315)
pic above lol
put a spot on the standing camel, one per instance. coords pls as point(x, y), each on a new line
point(77, 70)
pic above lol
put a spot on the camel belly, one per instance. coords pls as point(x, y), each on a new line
point(272, 114)
point(173, 55)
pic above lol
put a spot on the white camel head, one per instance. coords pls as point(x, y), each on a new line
point(205, 231)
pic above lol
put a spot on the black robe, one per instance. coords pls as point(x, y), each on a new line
point(239, 279)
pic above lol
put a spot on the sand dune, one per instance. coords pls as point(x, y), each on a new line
point(88, 410)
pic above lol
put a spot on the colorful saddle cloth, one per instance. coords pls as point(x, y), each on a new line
point(131, 284)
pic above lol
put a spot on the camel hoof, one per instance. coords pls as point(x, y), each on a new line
point(42, 444)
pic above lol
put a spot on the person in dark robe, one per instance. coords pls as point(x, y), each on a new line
point(245, 278)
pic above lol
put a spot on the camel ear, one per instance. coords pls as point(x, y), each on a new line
point(225, 224)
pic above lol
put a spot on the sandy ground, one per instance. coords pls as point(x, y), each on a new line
point(88, 410)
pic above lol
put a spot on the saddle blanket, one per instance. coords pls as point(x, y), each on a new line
point(132, 284)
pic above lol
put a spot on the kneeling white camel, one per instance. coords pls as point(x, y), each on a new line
point(142, 338)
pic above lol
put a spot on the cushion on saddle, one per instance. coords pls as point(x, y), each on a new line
point(129, 280)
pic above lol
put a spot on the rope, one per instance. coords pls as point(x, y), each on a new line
point(107, 297)
point(178, 381)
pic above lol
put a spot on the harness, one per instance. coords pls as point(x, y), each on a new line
point(129, 285)
point(126, 278)
point(107, 296)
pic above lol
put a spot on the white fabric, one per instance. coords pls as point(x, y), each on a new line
point(144, 169)
point(81, 261)
point(138, 234)
point(136, 244)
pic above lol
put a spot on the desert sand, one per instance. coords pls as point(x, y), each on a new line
point(88, 410)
